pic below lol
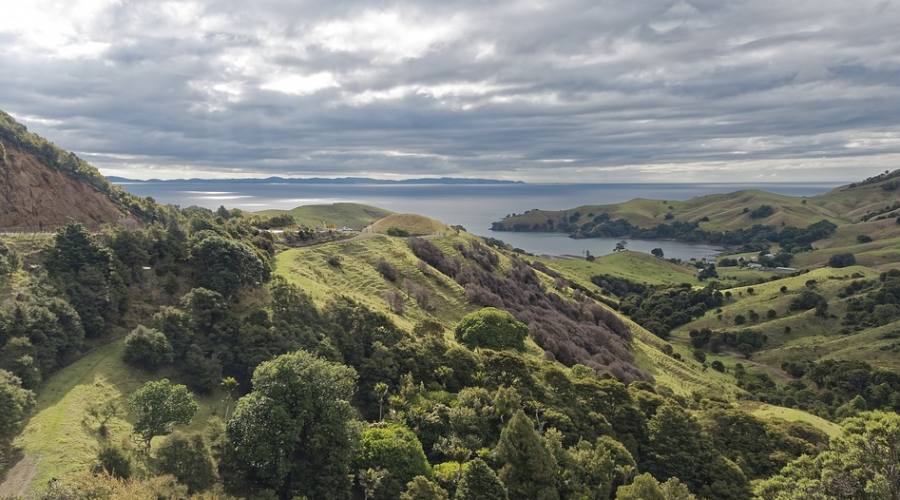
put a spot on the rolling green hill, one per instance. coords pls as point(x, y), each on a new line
point(410, 224)
point(717, 212)
point(353, 215)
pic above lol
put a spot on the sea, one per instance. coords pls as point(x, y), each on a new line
point(474, 206)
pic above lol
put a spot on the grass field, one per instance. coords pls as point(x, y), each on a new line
point(416, 225)
point(766, 296)
point(357, 278)
point(353, 215)
point(770, 412)
point(55, 439)
point(634, 266)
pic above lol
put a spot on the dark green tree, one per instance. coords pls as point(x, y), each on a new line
point(479, 482)
point(82, 268)
point(294, 433)
point(188, 459)
point(148, 348)
point(225, 265)
point(678, 447)
point(529, 470)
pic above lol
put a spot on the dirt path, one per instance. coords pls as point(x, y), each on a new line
point(18, 479)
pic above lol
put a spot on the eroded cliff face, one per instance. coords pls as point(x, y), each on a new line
point(35, 197)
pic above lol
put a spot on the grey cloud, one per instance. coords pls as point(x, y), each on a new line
point(619, 90)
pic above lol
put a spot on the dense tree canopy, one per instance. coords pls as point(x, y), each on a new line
point(293, 433)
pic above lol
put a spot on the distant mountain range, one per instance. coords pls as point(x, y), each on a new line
point(321, 180)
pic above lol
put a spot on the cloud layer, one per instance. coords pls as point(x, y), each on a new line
point(563, 90)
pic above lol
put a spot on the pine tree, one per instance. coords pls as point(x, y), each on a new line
point(529, 471)
point(479, 482)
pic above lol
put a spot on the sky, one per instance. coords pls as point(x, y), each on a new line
point(541, 91)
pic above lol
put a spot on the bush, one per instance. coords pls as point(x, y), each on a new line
point(334, 260)
point(398, 232)
point(114, 462)
point(864, 238)
point(397, 450)
point(762, 212)
point(148, 348)
point(188, 459)
point(842, 260)
point(492, 328)
point(387, 270)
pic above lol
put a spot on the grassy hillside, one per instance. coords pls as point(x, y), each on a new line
point(358, 278)
point(874, 197)
point(353, 215)
point(57, 442)
point(634, 266)
point(412, 224)
point(718, 212)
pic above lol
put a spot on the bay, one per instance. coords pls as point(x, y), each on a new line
point(474, 206)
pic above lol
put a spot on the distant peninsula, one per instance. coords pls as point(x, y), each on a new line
point(323, 180)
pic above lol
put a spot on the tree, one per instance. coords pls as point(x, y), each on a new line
point(678, 447)
point(658, 253)
point(491, 328)
point(861, 462)
point(528, 468)
point(395, 449)
point(294, 433)
point(148, 348)
point(646, 487)
point(422, 488)
point(842, 260)
point(479, 482)
point(15, 403)
point(82, 268)
point(381, 392)
point(159, 405)
point(226, 265)
point(188, 459)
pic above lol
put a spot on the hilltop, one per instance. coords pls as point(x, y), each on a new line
point(873, 199)
point(353, 215)
point(43, 187)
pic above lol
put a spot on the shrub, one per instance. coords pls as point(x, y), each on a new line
point(148, 348)
point(334, 260)
point(114, 462)
point(188, 459)
point(864, 238)
point(842, 260)
point(398, 232)
point(492, 328)
point(387, 270)
point(397, 450)
point(762, 212)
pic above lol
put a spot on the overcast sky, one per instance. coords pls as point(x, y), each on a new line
point(555, 90)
